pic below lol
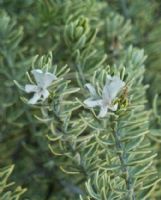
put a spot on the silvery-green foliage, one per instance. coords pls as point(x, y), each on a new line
point(117, 32)
point(150, 22)
point(13, 113)
point(63, 150)
point(112, 146)
point(7, 190)
point(122, 132)
point(148, 37)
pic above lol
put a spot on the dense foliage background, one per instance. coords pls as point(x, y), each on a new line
point(61, 150)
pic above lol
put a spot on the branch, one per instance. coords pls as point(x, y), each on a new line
point(122, 156)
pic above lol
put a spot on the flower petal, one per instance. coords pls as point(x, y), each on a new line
point(43, 80)
point(35, 98)
point(48, 79)
point(45, 94)
point(103, 111)
point(31, 88)
point(92, 103)
point(91, 89)
point(39, 76)
point(112, 87)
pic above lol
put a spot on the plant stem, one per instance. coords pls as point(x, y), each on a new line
point(81, 75)
point(122, 157)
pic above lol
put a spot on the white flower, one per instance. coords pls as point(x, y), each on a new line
point(43, 81)
point(110, 90)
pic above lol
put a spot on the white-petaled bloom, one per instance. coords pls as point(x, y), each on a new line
point(110, 91)
point(43, 81)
